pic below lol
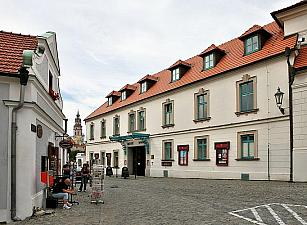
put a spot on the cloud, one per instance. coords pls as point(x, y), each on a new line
point(103, 42)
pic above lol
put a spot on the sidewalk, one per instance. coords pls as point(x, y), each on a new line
point(172, 201)
point(84, 213)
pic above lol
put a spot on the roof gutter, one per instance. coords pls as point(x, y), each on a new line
point(24, 76)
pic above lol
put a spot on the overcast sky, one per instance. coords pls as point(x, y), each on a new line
point(104, 45)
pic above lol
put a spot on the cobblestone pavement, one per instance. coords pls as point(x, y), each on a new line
point(160, 201)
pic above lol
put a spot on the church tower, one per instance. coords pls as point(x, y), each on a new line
point(78, 136)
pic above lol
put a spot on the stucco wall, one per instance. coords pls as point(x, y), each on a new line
point(4, 129)
point(41, 150)
point(271, 125)
point(296, 24)
point(300, 127)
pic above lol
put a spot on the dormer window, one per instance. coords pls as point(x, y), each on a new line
point(175, 74)
point(211, 56)
point(254, 39)
point(112, 97)
point(123, 95)
point(251, 44)
point(208, 61)
point(178, 69)
point(143, 87)
point(147, 82)
point(126, 91)
point(110, 101)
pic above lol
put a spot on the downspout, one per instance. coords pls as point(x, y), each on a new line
point(291, 74)
point(24, 75)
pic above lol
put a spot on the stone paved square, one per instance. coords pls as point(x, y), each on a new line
point(160, 201)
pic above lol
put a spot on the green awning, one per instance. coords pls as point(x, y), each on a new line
point(123, 139)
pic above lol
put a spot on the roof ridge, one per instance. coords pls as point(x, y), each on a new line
point(19, 34)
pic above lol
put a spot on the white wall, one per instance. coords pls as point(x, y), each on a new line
point(300, 127)
point(224, 124)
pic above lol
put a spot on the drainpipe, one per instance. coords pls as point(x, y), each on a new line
point(24, 75)
point(291, 74)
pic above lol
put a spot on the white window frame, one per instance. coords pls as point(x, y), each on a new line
point(123, 95)
point(175, 74)
point(143, 87)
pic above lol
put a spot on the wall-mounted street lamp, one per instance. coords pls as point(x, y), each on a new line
point(278, 97)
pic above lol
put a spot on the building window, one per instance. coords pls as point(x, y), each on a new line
point(92, 131)
point(123, 95)
point(116, 126)
point(115, 158)
point(183, 155)
point(208, 61)
point(168, 113)
point(175, 74)
point(201, 148)
point(103, 158)
point(91, 156)
point(143, 87)
point(251, 44)
point(110, 101)
point(50, 81)
point(141, 120)
point(246, 95)
point(247, 145)
point(167, 153)
point(201, 107)
point(103, 129)
point(131, 125)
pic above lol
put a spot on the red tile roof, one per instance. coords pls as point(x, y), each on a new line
point(179, 63)
point(113, 93)
point(128, 87)
point(251, 30)
point(148, 77)
point(301, 59)
point(11, 49)
point(233, 59)
point(211, 48)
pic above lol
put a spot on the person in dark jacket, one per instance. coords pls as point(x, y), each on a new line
point(61, 190)
point(84, 177)
point(66, 171)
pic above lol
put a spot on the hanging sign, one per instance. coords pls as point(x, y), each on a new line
point(66, 143)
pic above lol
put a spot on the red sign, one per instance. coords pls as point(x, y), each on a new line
point(222, 145)
point(183, 147)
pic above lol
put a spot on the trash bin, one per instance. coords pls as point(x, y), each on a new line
point(125, 172)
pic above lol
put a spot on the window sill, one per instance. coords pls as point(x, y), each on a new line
point(168, 125)
point(247, 112)
point(201, 159)
point(201, 120)
point(182, 164)
point(167, 160)
point(140, 130)
point(248, 159)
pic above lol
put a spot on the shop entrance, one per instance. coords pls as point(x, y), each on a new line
point(137, 160)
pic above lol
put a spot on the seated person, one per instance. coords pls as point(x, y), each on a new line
point(61, 190)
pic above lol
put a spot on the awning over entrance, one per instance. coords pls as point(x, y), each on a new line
point(133, 136)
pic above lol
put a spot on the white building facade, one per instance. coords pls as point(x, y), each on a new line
point(39, 121)
point(214, 115)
